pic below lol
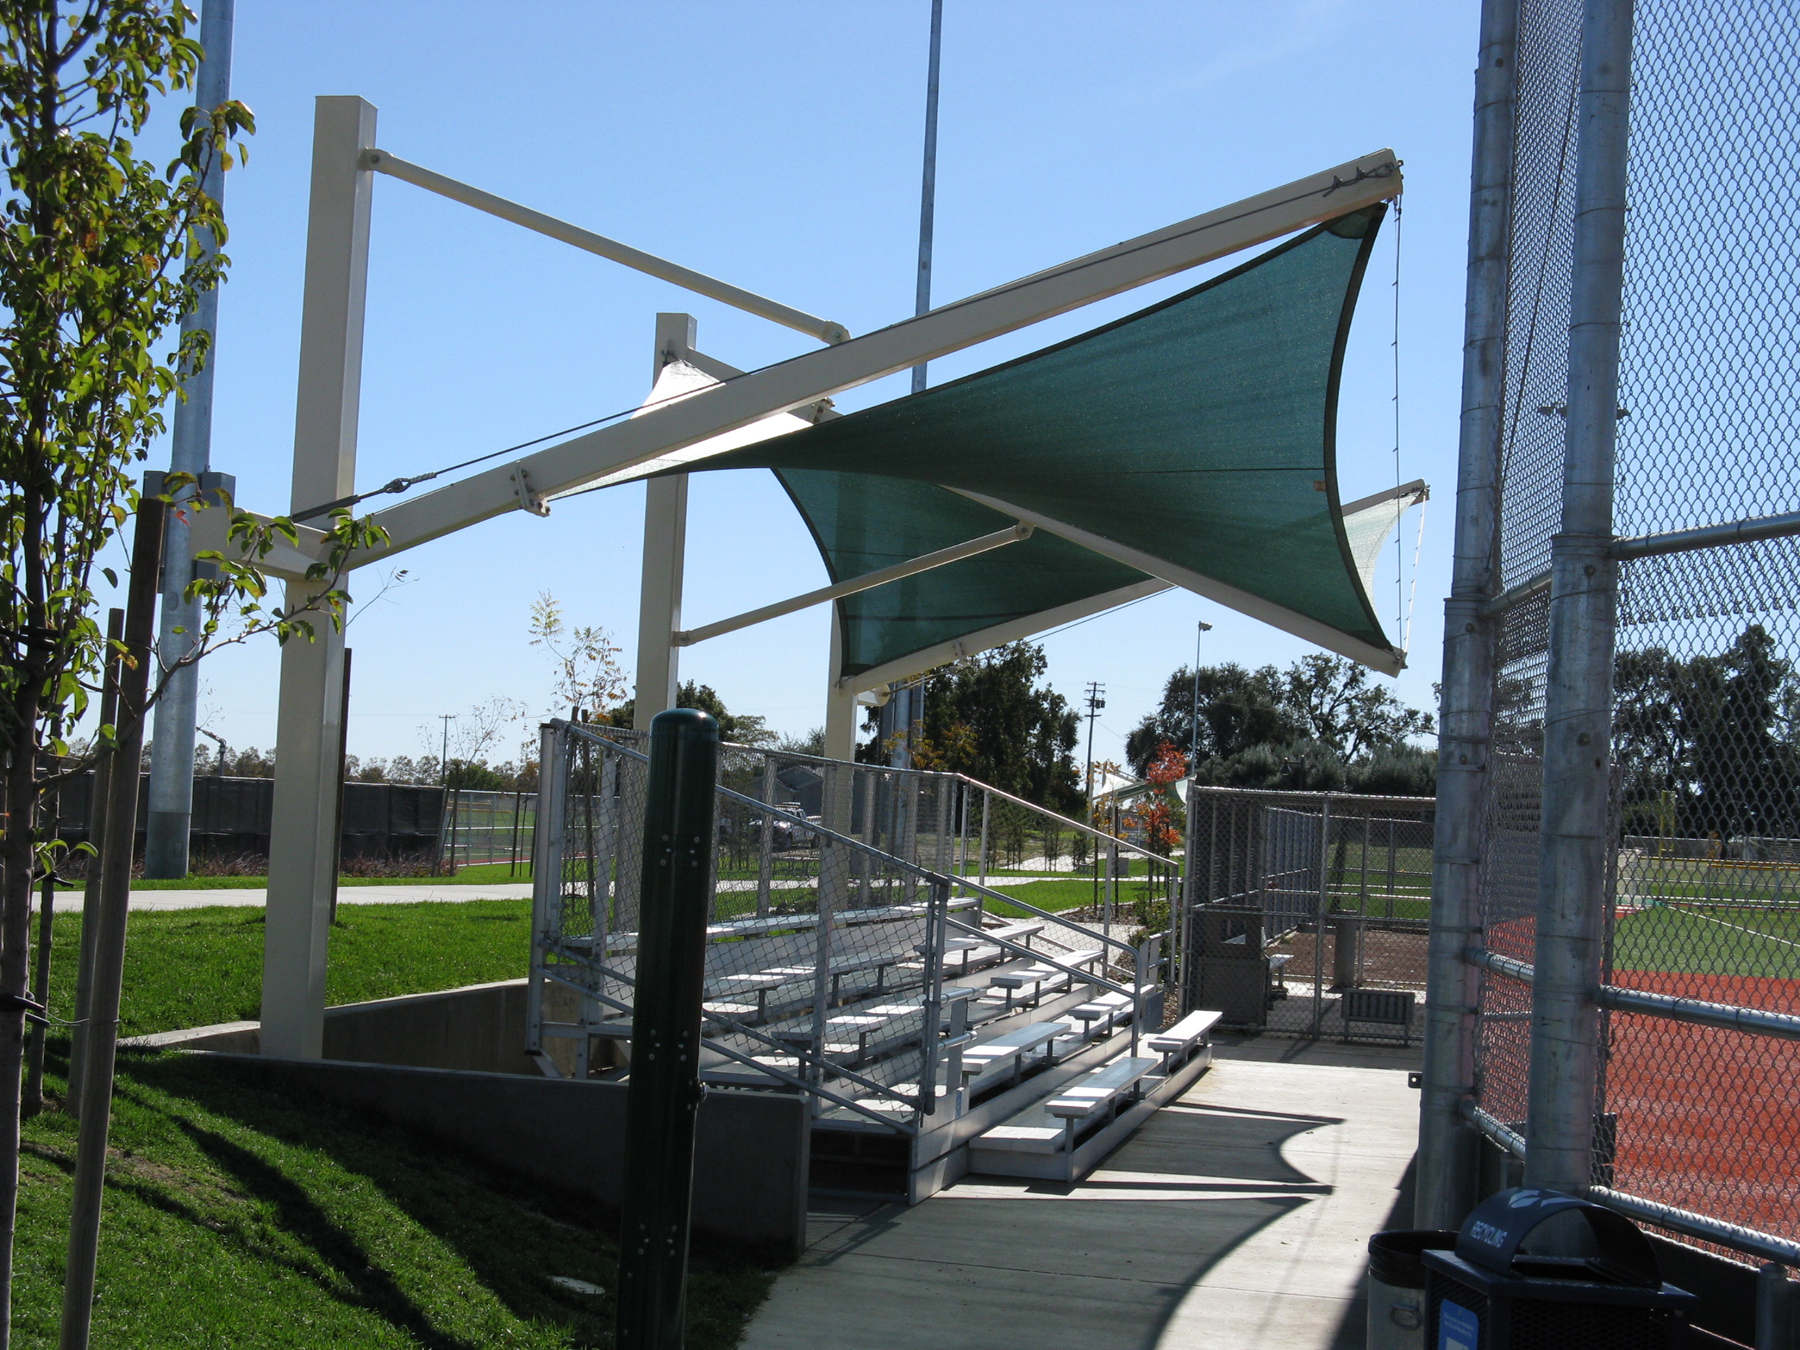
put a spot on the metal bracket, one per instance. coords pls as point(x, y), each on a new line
point(528, 500)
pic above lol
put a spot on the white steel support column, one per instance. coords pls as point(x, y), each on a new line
point(665, 556)
point(840, 703)
point(1573, 875)
point(303, 836)
point(1447, 1147)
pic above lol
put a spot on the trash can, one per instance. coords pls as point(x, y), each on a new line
point(1397, 1285)
point(1492, 1293)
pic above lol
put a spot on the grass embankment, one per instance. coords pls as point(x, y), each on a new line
point(240, 1217)
point(194, 967)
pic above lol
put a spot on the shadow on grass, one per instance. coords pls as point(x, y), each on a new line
point(511, 1235)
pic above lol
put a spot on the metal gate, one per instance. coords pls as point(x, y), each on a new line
point(1307, 912)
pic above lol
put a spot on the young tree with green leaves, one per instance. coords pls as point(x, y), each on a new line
point(100, 255)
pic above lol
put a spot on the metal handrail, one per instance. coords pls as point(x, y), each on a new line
point(1089, 830)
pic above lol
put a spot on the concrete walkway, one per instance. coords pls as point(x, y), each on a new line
point(1236, 1217)
point(69, 902)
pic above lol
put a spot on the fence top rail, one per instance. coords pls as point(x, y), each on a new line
point(621, 734)
point(1286, 796)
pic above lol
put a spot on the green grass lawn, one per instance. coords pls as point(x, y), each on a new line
point(238, 1217)
point(1710, 940)
point(194, 967)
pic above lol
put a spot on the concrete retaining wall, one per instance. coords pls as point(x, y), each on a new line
point(453, 1065)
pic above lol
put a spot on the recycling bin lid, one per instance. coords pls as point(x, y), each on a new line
point(1495, 1231)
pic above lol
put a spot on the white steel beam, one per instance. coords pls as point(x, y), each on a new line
point(868, 581)
point(825, 330)
point(1387, 660)
point(303, 832)
point(665, 555)
point(998, 636)
point(840, 715)
point(962, 323)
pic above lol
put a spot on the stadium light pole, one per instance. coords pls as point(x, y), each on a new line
point(171, 791)
point(1194, 729)
point(928, 185)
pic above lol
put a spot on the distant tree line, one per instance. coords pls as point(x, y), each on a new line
point(989, 717)
point(1709, 745)
point(1321, 725)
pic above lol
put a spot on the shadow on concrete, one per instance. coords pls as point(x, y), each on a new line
point(1058, 1264)
point(1353, 1331)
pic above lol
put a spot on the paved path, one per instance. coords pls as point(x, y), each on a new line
point(1236, 1217)
point(70, 901)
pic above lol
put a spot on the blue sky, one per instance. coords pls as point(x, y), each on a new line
point(777, 145)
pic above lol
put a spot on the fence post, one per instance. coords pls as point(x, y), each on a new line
point(1321, 912)
point(987, 800)
point(936, 929)
point(765, 857)
point(1573, 876)
point(1447, 1148)
point(663, 1105)
point(1777, 1327)
point(546, 874)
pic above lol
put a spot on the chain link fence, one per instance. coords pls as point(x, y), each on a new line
point(1308, 913)
point(1704, 882)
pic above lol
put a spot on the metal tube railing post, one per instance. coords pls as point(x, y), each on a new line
point(765, 860)
point(1447, 1147)
point(663, 1106)
point(987, 801)
point(1573, 876)
point(546, 876)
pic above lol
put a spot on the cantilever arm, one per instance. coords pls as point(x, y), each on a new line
point(823, 329)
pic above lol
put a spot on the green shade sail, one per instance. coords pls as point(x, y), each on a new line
point(1192, 443)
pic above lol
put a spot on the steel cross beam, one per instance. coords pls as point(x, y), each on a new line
point(963, 323)
point(1387, 660)
point(868, 581)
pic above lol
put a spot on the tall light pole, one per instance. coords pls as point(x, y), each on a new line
point(1194, 730)
point(1095, 702)
point(171, 790)
point(928, 188)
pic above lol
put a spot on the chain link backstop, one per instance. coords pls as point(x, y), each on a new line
point(1693, 1002)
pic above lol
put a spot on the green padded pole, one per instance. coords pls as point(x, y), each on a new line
point(664, 1101)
